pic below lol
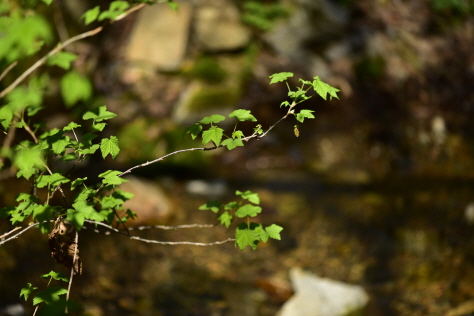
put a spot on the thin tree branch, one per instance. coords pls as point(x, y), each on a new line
point(165, 156)
point(42, 60)
point(7, 70)
point(72, 269)
point(152, 241)
point(10, 232)
point(18, 234)
point(59, 47)
point(173, 227)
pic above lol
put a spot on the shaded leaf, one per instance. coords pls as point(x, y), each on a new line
point(211, 205)
point(74, 88)
point(62, 59)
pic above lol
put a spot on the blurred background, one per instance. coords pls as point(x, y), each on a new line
point(376, 191)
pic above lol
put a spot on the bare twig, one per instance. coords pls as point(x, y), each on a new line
point(18, 234)
point(126, 13)
point(4, 73)
point(173, 227)
point(254, 135)
point(152, 241)
point(72, 269)
point(10, 232)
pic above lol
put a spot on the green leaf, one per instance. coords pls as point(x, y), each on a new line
point(49, 296)
point(27, 198)
point(6, 116)
point(110, 202)
point(71, 126)
point(68, 157)
point(99, 127)
point(89, 151)
point(273, 231)
point(262, 234)
point(122, 195)
point(84, 195)
point(225, 219)
point(231, 205)
point(54, 180)
point(115, 9)
point(99, 114)
point(249, 195)
point(74, 88)
point(110, 146)
point(27, 291)
point(216, 118)
point(214, 134)
point(173, 5)
point(43, 213)
point(285, 103)
point(111, 177)
point(304, 114)
point(58, 276)
point(298, 96)
point(279, 77)
point(27, 159)
point(194, 130)
point(22, 97)
point(91, 15)
point(77, 182)
point(232, 143)
point(48, 2)
point(211, 205)
point(245, 236)
point(82, 210)
point(58, 142)
point(258, 129)
point(323, 89)
point(237, 134)
point(62, 59)
point(248, 210)
point(22, 34)
point(243, 115)
point(5, 211)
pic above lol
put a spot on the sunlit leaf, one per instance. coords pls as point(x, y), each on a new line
point(279, 77)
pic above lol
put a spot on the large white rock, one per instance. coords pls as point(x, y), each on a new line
point(315, 296)
point(160, 37)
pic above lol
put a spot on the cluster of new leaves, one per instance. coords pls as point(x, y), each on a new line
point(215, 134)
point(247, 233)
point(31, 159)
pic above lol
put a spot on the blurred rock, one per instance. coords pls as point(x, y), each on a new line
point(160, 37)
point(469, 213)
point(208, 189)
point(13, 310)
point(312, 21)
point(317, 296)
point(150, 202)
point(218, 27)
